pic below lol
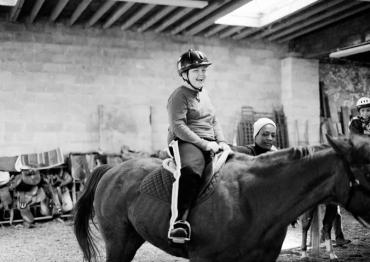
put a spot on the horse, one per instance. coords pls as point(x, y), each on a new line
point(331, 218)
point(246, 216)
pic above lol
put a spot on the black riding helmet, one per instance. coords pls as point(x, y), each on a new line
point(191, 59)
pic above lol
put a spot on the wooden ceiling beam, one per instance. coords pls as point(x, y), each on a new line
point(196, 17)
point(246, 32)
point(270, 29)
point(327, 22)
point(142, 12)
point(35, 10)
point(79, 10)
point(326, 5)
point(231, 31)
point(165, 11)
point(317, 19)
point(58, 9)
point(173, 19)
point(217, 28)
point(100, 12)
point(182, 3)
point(14, 12)
point(117, 14)
point(229, 7)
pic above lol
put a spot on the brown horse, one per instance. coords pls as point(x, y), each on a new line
point(246, 217)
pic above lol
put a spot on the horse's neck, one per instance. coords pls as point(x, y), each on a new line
point(293, 186)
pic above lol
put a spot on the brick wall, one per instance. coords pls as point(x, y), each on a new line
point(85, 89)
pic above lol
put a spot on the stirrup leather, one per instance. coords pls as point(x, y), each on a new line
point(175, 189)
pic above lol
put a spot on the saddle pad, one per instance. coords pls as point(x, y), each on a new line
point(43, 160)
point(158, 184)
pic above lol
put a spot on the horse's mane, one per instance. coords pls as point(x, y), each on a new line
point(273, 159)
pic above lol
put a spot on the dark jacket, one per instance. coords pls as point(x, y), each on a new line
point(253, 150)
point(359, 126)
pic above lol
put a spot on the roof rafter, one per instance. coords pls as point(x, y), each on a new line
point(117, 14)
point(35, 10)
point(196, 17)
point(327, 22)
point(101, 11)
point(231, 6)
point(172, 19)
point(301, 17)
point(217, 28)
point(156, 18)
point(144, 10)
point(58, 9)
point(182, 3)
point(231, 31)
point(14, 13)
point(313, 20)
point(79, 10)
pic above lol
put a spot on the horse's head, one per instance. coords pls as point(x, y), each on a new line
point(355, 187)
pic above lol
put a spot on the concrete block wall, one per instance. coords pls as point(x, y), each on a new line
point(87, 89)
point(301, 100)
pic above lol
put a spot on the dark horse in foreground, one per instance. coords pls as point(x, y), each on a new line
point(246, 217)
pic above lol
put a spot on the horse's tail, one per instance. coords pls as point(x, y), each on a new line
point(84, 211)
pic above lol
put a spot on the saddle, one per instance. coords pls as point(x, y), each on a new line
point(25, 198)
point(26, 177)
point(158, 184)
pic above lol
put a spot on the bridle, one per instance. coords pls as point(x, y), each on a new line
point(354, 186)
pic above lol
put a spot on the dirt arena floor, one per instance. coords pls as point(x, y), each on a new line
point(54, 241)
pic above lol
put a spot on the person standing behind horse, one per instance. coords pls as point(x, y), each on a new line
point(361, 124)
point(193, 123)
point(264, 135)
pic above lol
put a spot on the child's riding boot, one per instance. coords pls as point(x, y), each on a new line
point(189, 186)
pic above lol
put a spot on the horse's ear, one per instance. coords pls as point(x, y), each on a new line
point(341, 146)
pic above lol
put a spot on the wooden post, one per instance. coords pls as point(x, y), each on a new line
point(74, 197)
point(315, 232)
point(345, 119)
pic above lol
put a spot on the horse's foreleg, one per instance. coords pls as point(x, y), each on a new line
point(121, 245)
point(306, 220)
point(330, 213)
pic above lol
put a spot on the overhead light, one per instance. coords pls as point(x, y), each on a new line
point(353, 50)
point(183, 3)
point(259, 13)
point(8, 2)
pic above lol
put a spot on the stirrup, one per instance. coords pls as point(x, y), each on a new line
point(180, 233)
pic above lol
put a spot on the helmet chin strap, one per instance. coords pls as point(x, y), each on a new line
point(187, 81)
